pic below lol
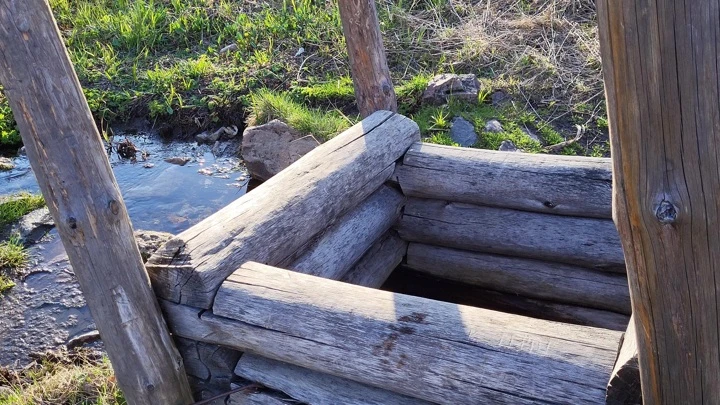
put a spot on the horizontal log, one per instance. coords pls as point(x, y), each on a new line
point(587, 242)
point(550, 281)
point(411, 282)
point(624, 386)
point(210, 367)
point(378, 262)
point(277, 218)
point(336, 250)
point(567, 185)
point(315, 388)
point(431, 350)
point(250, 397)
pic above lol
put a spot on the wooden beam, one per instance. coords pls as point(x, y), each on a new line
point(373, 85)
point(276, 219)
point(588, 242)
point(553, 184)
point(531, 278)
point(624, 385)
point(434, 351)
point(72, 169)
point(660, 62)
point(378, 263)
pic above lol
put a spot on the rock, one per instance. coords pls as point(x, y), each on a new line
point(227, 148)
point(229, 48)
point(22, 151)
point(267, 149)
point(499, 98)
point(446, 86)
point(178, 160)
point(31, 227)
point(206, 137)
point(6, 164)
point(225, 132)
point(529, 132)
point(82, 339)
point(493, 126)
point(507, 146)
point(150, 241)
point(149, 165)
point(462, 132)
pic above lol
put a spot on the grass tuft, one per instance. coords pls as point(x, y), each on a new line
point(14, 207)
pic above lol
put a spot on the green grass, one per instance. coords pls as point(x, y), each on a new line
point(14, 207)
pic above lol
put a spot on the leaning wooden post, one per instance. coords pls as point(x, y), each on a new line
point(74, 174)
point(371, 77)
point(661, 80)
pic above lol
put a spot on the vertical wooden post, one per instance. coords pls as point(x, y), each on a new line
point(66, 153)
point(660, 61)
point(371, 77)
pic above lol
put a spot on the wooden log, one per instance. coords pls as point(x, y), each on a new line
point(407, 281)
point(378, 263)
point(334, 252)
point(277, 218)
point(624, 386)
point(549, 281)
point(316, 388)
point(426, 349)
point(553, 184)
point(210, 367)
point(587, 242)
point(371, 77)
point(254, 398)
point(660, 62)
point(74, 175)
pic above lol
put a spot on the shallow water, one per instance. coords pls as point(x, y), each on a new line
point(46, 309)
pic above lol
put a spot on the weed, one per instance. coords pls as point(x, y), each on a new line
point(5, 284)
point(14, 207)
point(12, 254)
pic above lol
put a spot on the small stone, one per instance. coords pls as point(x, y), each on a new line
point(229, 48)
point(462, 132)
point(446, 86)
point(206, 137)
point(178, 160)
point(22, 151)
point(6, 164)
point(529, 132)
point(493, 126)
point(499, 98)
point(149, 165)
point(507, 146)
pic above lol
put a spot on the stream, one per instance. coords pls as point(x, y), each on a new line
point(46, 307)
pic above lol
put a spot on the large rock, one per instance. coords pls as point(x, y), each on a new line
point(462, 132)
point(446, 86)
point(267, 149)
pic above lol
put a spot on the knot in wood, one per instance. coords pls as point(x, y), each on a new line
point(666, 212)
point(114, 206)
point(72, 223)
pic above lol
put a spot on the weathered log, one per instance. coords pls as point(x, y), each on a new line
point(371, 77)
point(254, 398)
point(74, 175)
point(567, 185)
point(210, 367)
point(587, 242)
point(333, 253)
point(531, 278)
point(316, 388)
point(426, 349)
point(277, 218)
point(378, 262)
point(624, 386)
point(407, 281)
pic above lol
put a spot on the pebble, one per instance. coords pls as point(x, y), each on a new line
point(493, 126)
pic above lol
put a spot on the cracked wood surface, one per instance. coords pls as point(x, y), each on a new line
point(378, 262)
point(624, 386)
point(74, 175)
point(276, 219)
point(431, 350)
point(553, 184)
point(588, 242)
point(549, 281)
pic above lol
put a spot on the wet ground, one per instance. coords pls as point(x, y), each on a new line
point(46, 308)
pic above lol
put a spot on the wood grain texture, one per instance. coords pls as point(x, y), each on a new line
point(660, 62)
point(550, 281)
point(72, 169)
point(274, 220)
point(587, 242)
point(378, 262)
point(314, 388)
point(411, 282)
point(624, 386)
point(210, 367)
point(371, 77)
point(553, 184)
point(392, 341)
point(337, 249)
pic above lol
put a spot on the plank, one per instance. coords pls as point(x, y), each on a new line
point(337, 249)
point(393, 341)
point(553, 184)
point(531, 278)
point(588, 242)
point(407, 281)
point(371, 77)
point(378, 263)
point(74, 175)
point(315, 388)
point(624, 386)
point(281, 215)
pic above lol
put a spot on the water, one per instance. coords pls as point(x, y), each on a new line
point(47, 308)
